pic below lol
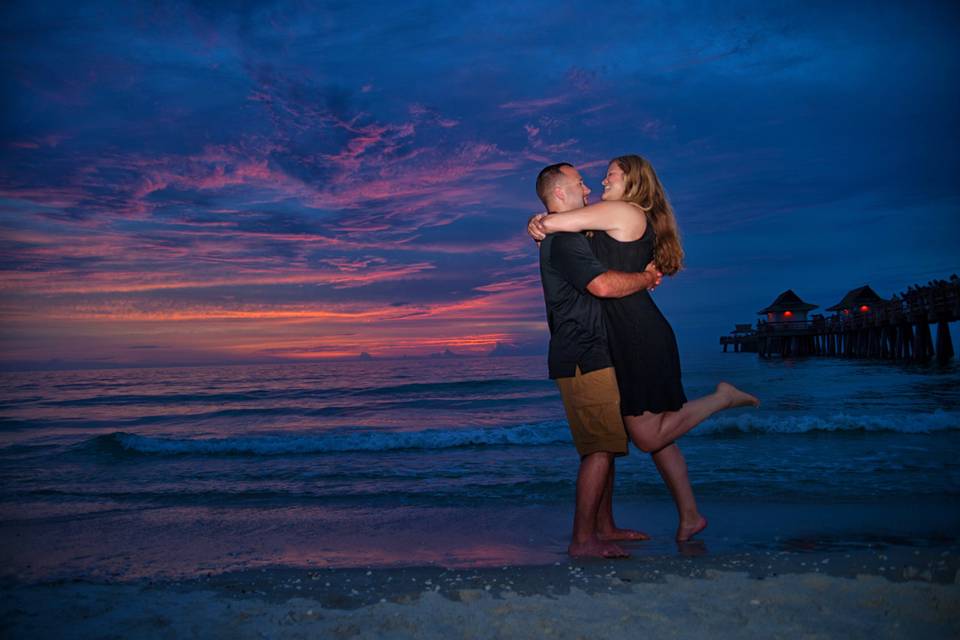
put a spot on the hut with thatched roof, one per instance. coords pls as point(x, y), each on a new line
point(788, 307)
point(860, 300)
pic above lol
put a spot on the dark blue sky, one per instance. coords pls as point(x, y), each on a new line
point(191, 182)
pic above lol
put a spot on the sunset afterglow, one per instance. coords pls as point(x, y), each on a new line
point(189, 184)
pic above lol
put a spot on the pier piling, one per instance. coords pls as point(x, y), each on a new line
point(944, 342)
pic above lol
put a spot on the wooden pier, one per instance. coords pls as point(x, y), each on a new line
point(864, 325)
point(742, 338)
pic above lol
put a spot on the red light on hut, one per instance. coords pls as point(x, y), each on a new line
point(788, 314)
point(846, 312)
point(864, 309)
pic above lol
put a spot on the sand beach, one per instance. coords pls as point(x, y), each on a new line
point(888, 593)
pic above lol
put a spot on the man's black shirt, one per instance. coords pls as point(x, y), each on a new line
point(577, 334)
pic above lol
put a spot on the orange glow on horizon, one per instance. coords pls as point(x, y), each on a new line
point(375, 345)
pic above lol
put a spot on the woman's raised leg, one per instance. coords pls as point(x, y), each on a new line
point(653, 431)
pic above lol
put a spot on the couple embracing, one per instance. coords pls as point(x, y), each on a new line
point(612, 353)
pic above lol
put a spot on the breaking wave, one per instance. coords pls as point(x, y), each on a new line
point(546, 433)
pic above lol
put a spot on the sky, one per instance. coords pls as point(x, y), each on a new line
point(189, 183)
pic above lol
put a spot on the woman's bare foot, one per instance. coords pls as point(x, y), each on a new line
point(617, 534)
point(692, 548)
point(687, 530)
point(596, 548)
point(735, 397)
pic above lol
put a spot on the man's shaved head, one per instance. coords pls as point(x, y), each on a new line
point(547, 180)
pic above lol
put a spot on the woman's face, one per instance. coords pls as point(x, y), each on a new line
point(613, 185)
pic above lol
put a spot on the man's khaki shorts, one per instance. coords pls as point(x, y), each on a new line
point(592, 402)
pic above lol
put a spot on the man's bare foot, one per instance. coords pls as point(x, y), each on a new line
point(735, 397)
point(596, 548)
point(687, 530)
point(617, 534)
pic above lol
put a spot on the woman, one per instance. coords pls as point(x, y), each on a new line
point(635, 225)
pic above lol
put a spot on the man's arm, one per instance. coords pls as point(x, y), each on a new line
point(572, 257)
point(617, 284)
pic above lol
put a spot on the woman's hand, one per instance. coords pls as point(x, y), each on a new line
point(535, 227)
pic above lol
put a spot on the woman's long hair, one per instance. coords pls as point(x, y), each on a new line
point(642, 187)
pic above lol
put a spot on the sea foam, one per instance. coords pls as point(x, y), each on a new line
point(840, 422)
point(545, 433)
point(341, 441)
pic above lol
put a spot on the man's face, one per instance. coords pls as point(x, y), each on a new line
point(574, 191)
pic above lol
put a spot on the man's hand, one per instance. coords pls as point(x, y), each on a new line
point(657, 276)
point(535, 228)
point(618, 284)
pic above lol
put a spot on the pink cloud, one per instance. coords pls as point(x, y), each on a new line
point(526, 282)
point(59, 197)
point(524, 107)
point(426, 114)
point(109, 280)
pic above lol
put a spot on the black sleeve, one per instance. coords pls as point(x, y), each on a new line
point(571, 256)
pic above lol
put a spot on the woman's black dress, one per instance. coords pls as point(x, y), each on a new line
point(642, 344)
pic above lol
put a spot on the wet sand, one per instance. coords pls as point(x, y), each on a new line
point(889, 592)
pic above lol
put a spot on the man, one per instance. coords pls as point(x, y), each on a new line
point(580, 363)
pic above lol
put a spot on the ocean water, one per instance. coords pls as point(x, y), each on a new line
point(460, 461)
